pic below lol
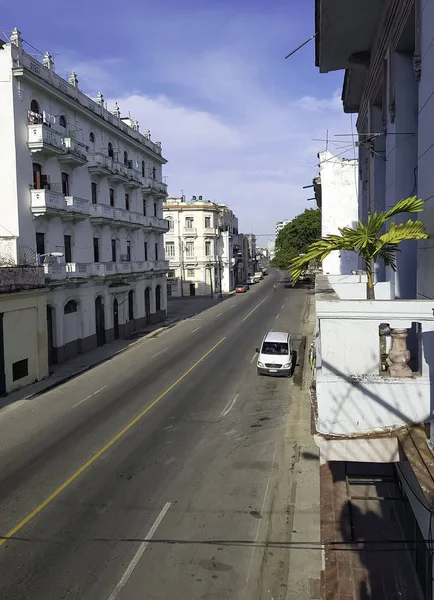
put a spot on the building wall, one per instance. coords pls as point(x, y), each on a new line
point(24, 335)
point(339, 191)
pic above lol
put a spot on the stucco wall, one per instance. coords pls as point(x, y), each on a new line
point(24, 336)
point(339, 189)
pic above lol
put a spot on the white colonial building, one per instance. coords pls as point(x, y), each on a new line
point(82, 195)
point(200, 246)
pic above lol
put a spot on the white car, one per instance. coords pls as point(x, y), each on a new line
point(275, 355)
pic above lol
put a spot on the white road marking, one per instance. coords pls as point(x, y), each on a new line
point(262, 512)
point(219, 315)
point(283, 306)
point(90, 396)
point(286, 298)
point(197, 329)
point(161, 352)
point(230, 406)
point(253, 357)
point(277, 316)
point(139, 553)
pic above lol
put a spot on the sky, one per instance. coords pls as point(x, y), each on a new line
point(237, 121)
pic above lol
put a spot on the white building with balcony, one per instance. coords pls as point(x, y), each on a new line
point(193, 247)
point(84, 183)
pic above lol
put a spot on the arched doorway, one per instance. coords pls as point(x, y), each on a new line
point(116, 318)
point(131, 305)
point(50, 336)
point(99, 321)
point(158, 298)
point(147, 306)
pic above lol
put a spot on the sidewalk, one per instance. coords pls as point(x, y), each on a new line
point(177, 310)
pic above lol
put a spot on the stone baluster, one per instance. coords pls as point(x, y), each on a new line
point(399, 355)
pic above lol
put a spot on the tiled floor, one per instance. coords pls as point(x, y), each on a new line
point(365, 554)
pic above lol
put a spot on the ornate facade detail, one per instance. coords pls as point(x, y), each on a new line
point(399, 355)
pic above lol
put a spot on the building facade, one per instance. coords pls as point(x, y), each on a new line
point(373, 398)
point(281, 224)
point(83, 195)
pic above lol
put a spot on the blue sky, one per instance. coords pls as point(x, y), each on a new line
point(209, 80)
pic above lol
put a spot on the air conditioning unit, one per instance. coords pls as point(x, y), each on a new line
point(125, 258)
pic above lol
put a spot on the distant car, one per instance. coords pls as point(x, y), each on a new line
point(256, 279)
point(251, 281)
point(241, 289)
point(259, 275)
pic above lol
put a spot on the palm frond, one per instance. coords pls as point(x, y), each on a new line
point(412, 230)
point(387, 253)
point(412, 205)
point(319, 250)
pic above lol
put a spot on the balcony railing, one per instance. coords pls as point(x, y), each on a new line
point(123, 267)
point(77, 206)
point(75, 153)
point(190, 260)
point(152, 186)
point(55, 271)
point(191, 231)
point(77, 270)
point(101, 212)
point(156, 223)
point(99, 164)
point(373, 363)
point(46, 202)
point(101, 269)
point(44, 139)
point(158, 265)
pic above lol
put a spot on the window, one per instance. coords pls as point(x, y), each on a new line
point(112, 196)
point(65, 184)
point(144, 206)
point(189, 222)
point(189, 249)
point(207, 248)
point(127, 202)
point(158, 298)
point(129, 250)
point(131, 305)
point(146, 250)
point(62, 121)
point(171, 223)
point(155, 209)
point(154, 172)
point(96, 250)
point(34, 107)
point(114, 251)
point(37, 176)
point(40, 243)
point(94, 192)
point(70, 307)
point(169, 289)
point(91, 137)
point(207, 222)
point(110, 150)
point(156, 250)
point(275, 348)
point(68, 248)
point(170, 248)
point(125, 158)
point(20, 369)
point(171, 274)
point(190, 272)
point(143, 168)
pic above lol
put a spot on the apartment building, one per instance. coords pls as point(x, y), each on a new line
point(193, 247)
point(280, 225)
point(82, 196)
point(373, 373)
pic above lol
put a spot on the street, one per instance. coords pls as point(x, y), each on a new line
point(163, 472)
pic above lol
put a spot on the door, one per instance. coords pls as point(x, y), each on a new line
point(99, 321)
point(116, 318)
point(50, 336)
point(148, 306)
point(192, 289)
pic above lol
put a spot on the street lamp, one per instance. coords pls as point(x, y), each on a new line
point(53, 254)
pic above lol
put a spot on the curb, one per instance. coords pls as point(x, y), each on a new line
point(307, 335)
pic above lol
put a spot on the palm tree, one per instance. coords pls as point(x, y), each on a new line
point(366, 241)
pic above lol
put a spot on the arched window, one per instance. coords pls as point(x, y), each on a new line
point(91, 137)
point(158, 298)
point(62, 121)
point(154, 172)
point(143, 168)
point(110, 150)
point(34, 106)
point(125, 157)
point(70, 307)
point(131, 305)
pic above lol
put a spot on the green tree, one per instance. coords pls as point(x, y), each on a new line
point(296, 236)
point(366, 241)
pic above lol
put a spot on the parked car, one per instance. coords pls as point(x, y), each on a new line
point(241, 289)
point(259, 275)
point(251, 281)
point(275, 356)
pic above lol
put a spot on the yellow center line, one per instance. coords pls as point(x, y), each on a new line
point(103, 450)
point(252, 311)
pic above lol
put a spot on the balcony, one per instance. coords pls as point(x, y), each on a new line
point(134, 180)
point(77, 270)
point(123, 267)
point(158, 265)
point(152, 186)
point(190, 231)
point(190, 260)
point(75, 154)
point(101, 269)
point(118, 172)
point(47, 202)
point(161, 225)
point(77, 207)
point(139, 266)
point(99, 164)
point(374, 363)
point(55, 271)
point(211, 231)
point(101, 214)
point(136, 219)
point(42, 138)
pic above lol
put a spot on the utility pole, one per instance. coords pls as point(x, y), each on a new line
point(181, 260)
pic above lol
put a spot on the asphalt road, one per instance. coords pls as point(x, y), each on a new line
point(159, 474)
